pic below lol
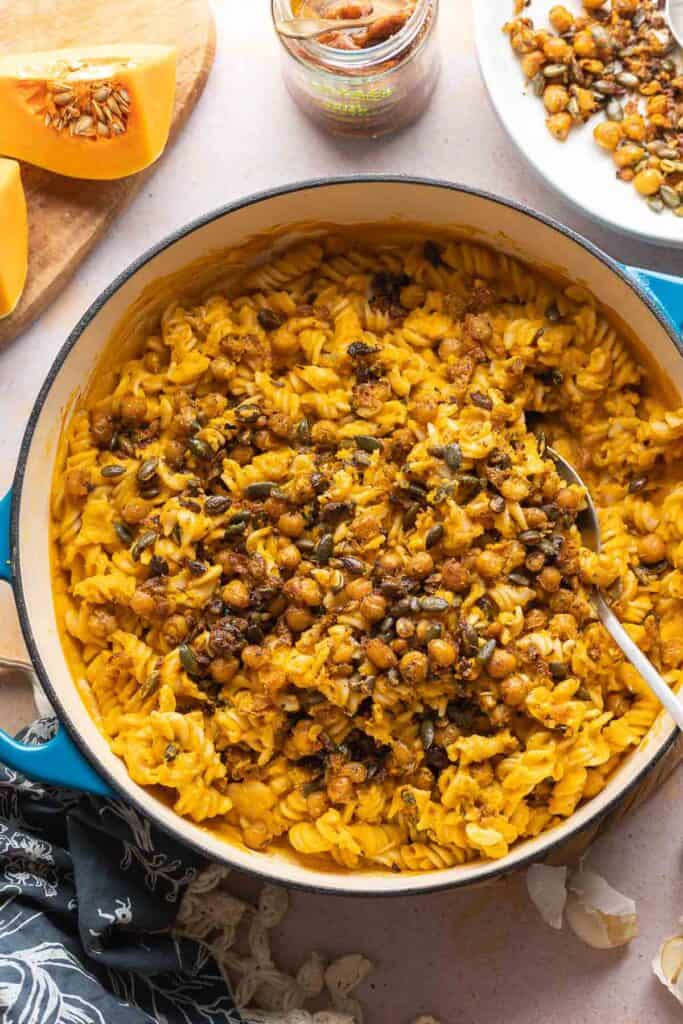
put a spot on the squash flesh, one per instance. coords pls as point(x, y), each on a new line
point(13, 236)
point(102, 112)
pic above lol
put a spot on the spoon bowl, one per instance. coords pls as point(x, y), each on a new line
point(590, 534)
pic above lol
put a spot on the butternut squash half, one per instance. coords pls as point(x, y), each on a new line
point(99, 112)
point(13, 236)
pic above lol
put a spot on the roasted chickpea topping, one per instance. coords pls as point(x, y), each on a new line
point(133, 409)
point(651, 549)
point(236, 594)
point(380, 654)
point(501, 664)
point(292, 524)
point(373, 607)
point(420, 565)
point(223, 670)
point(603, 62)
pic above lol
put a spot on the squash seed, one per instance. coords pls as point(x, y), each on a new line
point(188, 660)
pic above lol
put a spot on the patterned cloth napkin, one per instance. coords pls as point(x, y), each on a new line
point(89, 893)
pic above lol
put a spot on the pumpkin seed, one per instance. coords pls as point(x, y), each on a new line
point(670, 196)
point(217, 504)
point(113, 470)
point(188, 660)
point(199, 448)
point(434, 604)
point(614, 110)
point(655, 204)
point(150, 684)
point(453, 455)
point(142, 543)
point(367, 443)
point(558, 670)
point(353, 565)
point(147, 470)
point(323, 551)
point(303, 432)
point(260, 490)
point(427, 732)
point(124, 534)
point(628, 79)
point(434, 536)
point(410, 516)
point(171, 752)
point(470, 639)
point(485, 652)
point(553, 71)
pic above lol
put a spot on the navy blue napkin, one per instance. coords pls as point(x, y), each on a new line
point(89, 892)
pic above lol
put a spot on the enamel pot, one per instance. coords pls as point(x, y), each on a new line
point(79, 756)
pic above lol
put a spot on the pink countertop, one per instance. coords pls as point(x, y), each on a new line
point(485, 956)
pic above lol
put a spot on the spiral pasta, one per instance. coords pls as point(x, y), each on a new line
point(325, 584)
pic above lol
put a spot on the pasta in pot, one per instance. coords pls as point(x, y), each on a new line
point(326, 585)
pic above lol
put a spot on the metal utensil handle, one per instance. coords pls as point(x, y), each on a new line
point(640, 662)
point(309, 28)
point(58, 761)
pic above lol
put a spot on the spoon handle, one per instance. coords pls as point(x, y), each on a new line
point(641, 664)
point(310, 28)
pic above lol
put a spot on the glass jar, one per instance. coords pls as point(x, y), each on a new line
point(366, 92)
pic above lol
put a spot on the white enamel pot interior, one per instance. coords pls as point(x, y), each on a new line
point(345, 202)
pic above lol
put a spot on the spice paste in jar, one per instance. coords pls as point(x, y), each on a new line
point(393, 15)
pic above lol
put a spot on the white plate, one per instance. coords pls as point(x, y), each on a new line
point(580, 170)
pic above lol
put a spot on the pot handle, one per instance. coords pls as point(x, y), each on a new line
point(58, 761)
point(667, 291)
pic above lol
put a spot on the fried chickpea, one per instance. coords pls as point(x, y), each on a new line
point(380, 654)
point(657, 105)
point(76, 483)
point(373, 607)
point(102, 623)
point(420, 565)
point(424, 409)
point(549, 579)
point(536, 618)
point(292, 524)
point(298, 619)
point(101, 428)
point(133, 408)
point(449, 347)
point(502, 663)
point(560, 125)
point(557, 50)
point(390, 562)
point(340, 789)
point(134, 511)
point(174, 451)
point(414, 667)
point(223, 369)
point(608, 134)
point(358, 589)
point(568, 499)
point(532, 63)
point(514, 690)
point(441, 652)
point(489, 564)
point(584, 44)
point(241, 454)
point(651, 549)
point(254, 656)
point(649, 181)
point(324, 433)
point(593, 5)
point(288, 557)
point(633, 127)
point(628, 155)
point(563, 625)
point(142, 604)
point(304, 590)
point(223, 670)
point(455, 576)
point(174, 630)
point(236, 594)
point(405, 628)
point(561, 19)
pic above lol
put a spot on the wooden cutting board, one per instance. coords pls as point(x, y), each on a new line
point(67, 216)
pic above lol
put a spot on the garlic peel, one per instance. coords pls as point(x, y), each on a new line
point(546, 886)
point(598, 914)
point(668, 966)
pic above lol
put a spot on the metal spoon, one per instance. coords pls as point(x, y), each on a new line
point(590, 533)
point(674, 15)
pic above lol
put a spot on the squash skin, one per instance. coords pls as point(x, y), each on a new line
point(13, 236)
point(148, 74)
